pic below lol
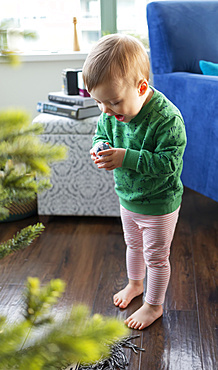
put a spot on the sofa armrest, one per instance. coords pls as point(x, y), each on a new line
point(197, 98)
point(190, 92)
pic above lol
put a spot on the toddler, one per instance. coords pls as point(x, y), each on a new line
point(146, 135)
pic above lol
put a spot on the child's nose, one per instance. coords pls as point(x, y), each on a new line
point(105, 109)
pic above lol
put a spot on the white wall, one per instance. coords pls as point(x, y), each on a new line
point(31, 82)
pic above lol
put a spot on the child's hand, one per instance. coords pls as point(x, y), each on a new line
point(109, 159)
point(99, 146)
point(93, 155)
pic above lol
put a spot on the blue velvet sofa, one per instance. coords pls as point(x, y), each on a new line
point(181, 33)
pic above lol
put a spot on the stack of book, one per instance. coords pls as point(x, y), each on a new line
point(72, 106)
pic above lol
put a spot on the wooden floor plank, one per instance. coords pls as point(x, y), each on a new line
point(202, 215)
point(181, 290)
point(207, 293)
point(11, 302)
point(172, 342)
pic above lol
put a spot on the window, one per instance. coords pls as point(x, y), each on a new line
point(52, 20)
point(131, 18)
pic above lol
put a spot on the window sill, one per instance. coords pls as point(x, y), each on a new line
point(47, 57)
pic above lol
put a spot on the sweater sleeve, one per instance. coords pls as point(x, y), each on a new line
point(100, 132)
point(166, 158)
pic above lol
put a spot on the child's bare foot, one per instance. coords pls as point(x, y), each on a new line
point(125, 296)
point(144, 316)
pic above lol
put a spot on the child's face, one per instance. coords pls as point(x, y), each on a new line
point(119, 99)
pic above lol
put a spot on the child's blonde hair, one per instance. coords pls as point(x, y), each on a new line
point(116, 56)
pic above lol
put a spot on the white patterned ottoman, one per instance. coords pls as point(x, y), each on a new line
point(78, 186)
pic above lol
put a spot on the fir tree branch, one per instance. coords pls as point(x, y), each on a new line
point(75, 337)
point(20, 128)
point(4, 212)
point(13, 122)
point(20, 190)
point(20, 142)
point(39, 300)
point(21, 240)
point(32, 153)
point(24, 160)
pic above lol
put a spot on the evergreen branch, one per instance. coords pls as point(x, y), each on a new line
point(2, 322)
point(43, 184)
point(19, 142)
point(16, 333)
point(32, 153)
point(13, 121)
point(19, 129)
point(12, 182)
point(15, 185)
point(21, 240)
point(20, 191)
point(24, 159)
point(75, 337)
point(68, 341)
point(15, 197)
point(10, 136)
point(4, 212)
point(39, 300)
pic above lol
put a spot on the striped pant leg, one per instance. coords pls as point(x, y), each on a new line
point(157, 238)
point(148, 240)
point(133, 237)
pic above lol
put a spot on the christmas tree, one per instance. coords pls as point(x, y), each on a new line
point(76, 337)
point(24, 164)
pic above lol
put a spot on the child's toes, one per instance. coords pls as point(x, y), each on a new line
point(128, 321)
point(117, 301)
point(137, 325)
point(142, 326)
point(123, 304)
point(131, 324)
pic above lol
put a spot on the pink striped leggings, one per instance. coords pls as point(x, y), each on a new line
point(148, 240)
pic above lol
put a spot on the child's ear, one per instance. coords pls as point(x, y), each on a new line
point(142, 87)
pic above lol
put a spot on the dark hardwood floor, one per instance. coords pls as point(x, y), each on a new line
point(88, 253)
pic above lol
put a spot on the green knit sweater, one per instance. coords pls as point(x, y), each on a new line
point(149, 180)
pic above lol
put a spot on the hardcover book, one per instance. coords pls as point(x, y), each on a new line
point(61, 97)
point(71, 111)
